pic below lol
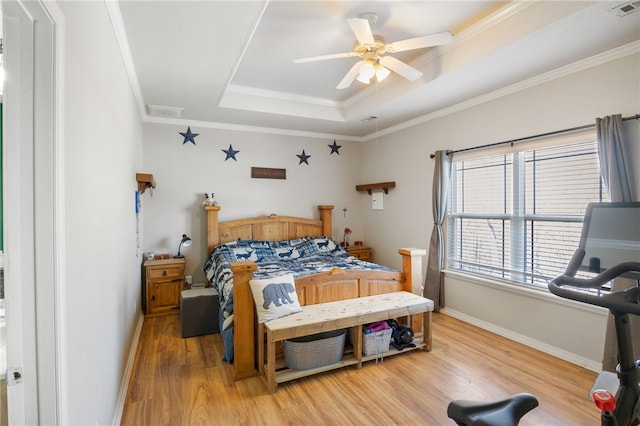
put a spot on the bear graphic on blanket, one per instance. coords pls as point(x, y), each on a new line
point(278, 293)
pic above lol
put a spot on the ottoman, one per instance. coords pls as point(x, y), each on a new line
point(199, 312)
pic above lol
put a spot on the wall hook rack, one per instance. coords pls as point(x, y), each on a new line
point(145, 180)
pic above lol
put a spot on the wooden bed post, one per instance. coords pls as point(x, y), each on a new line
point(244, 326)
point(325, 217)
point(412, 267)
point(213, 235)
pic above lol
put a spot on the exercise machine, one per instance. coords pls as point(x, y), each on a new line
point(619, 407)
point(609, 248)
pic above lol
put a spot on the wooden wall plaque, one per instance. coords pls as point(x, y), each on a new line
point(266, 173)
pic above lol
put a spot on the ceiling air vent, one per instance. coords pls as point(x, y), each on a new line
point(164, 111)
point(627, 8)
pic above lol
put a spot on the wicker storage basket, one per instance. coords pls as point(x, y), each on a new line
point(376, 343)
point(317, 350)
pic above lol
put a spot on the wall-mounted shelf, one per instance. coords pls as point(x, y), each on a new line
point(145, 181)
point(385, 186)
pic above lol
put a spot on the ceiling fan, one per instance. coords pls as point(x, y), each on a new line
point(373, 51)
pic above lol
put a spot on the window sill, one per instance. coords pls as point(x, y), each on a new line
point(524, 290)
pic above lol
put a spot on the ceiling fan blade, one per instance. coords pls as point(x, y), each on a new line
point(351, 75)
point(420, 42)
point(401, 68)
point(362, 30)
point(323, 57)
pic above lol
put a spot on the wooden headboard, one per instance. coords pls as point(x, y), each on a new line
point(265, 228)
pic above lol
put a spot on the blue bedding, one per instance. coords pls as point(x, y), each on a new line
point(300, 257)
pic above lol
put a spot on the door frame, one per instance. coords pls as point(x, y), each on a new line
point(34, 211)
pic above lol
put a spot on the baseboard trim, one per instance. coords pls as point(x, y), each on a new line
point(526, 340)
point(128, 370)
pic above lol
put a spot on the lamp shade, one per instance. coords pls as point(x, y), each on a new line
point(366, 71)
point(363, 79)
point(381, 72)
point(186, 241)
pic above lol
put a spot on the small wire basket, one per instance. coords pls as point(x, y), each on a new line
point(376, 343)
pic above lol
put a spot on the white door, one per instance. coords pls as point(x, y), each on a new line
point(30, 182)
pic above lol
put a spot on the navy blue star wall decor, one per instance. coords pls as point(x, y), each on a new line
point(303, 158)
point(335, 148)
point(231, 153)
point(189, 137)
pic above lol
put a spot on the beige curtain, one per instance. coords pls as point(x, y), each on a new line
point(615, 152)
point(434, 281)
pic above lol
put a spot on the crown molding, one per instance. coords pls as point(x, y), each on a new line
point(585, 64)
point(284, 96)
point(113, 9)
point(251, 129)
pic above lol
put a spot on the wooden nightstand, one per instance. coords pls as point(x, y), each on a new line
point(361, 252)
point(162, 282)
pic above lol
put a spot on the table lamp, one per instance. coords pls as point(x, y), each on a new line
point(186, 241)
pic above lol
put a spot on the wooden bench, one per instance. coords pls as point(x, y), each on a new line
point(343, 314)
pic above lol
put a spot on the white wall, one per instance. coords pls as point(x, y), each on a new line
point(565, 102)
point(103, 151)
point(183, 172)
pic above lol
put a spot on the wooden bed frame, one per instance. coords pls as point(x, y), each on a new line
point(318, 288)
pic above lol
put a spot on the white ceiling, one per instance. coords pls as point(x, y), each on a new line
point(229, 64)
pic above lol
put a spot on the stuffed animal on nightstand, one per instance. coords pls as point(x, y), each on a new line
point(209, 199)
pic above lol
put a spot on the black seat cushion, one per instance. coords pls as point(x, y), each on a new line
point(507, 412)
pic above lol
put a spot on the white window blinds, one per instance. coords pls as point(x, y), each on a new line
point(518, 215)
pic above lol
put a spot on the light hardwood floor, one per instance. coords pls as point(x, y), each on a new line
point(180, 381)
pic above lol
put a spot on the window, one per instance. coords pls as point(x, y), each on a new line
point(518, 215)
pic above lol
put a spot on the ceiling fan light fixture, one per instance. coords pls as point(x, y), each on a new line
point(381, 73)
point(373, 49)
point(367, 70)
point(363, 79)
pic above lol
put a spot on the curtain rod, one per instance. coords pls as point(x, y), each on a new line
point(586, 126)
